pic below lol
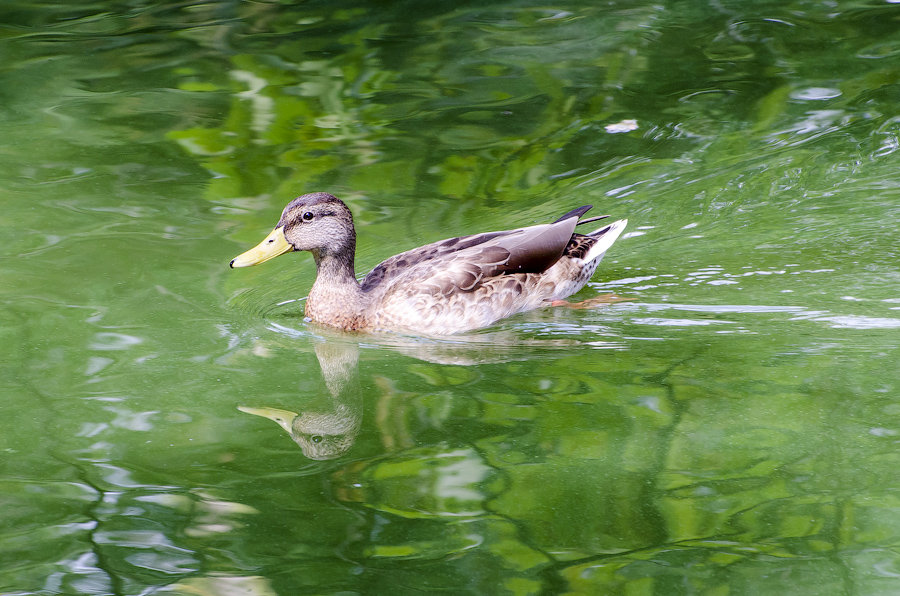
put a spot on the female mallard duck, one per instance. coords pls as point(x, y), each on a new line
point(448, 286)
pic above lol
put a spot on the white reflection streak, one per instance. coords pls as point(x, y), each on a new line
point(263, 107)
point(800, 314)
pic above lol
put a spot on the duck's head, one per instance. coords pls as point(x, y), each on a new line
point(318, 222)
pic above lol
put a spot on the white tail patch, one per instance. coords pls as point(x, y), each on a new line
point(606, 240)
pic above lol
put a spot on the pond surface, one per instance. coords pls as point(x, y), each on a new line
point(728, 422)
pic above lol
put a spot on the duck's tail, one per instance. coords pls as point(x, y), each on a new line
point(605, 236)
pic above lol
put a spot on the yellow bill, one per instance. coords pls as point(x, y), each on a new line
point(273, 245)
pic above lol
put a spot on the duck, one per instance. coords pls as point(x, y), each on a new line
point(445, 287)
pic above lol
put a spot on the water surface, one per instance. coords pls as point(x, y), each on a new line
point(727, 423)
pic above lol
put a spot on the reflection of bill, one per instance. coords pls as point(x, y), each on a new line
point(330, 433)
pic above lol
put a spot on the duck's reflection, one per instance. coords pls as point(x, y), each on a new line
point(329, 431)
point(328, 427)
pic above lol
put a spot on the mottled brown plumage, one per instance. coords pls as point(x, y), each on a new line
point(444, 287)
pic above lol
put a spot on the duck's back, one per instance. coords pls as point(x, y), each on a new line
point(466, 282)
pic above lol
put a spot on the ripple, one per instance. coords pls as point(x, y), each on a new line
point(880, 50)
point(835, 321)
point(664, 322)
point(135, 421)
point(859, 322)
point(816, 93)
point(114, 341)
point(164, 562)
point(730, 52)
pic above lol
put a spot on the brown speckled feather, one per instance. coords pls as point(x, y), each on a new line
point(456, 261)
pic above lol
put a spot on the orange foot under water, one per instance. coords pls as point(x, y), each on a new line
point(602, 300)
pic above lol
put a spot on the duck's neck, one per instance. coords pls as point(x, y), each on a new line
point(336, 298)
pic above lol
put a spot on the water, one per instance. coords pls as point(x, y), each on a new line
point(727, 423)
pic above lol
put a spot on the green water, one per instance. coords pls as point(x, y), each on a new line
point(730, 426)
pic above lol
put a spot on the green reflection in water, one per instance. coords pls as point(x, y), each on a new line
point(730, 427)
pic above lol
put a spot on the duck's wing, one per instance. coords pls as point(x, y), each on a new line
point(400, 264)
point(463, 264)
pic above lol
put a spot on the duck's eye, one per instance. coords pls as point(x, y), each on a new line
point(317, 438)
point(307, 216)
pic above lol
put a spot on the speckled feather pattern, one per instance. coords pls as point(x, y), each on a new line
point(444, 287)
